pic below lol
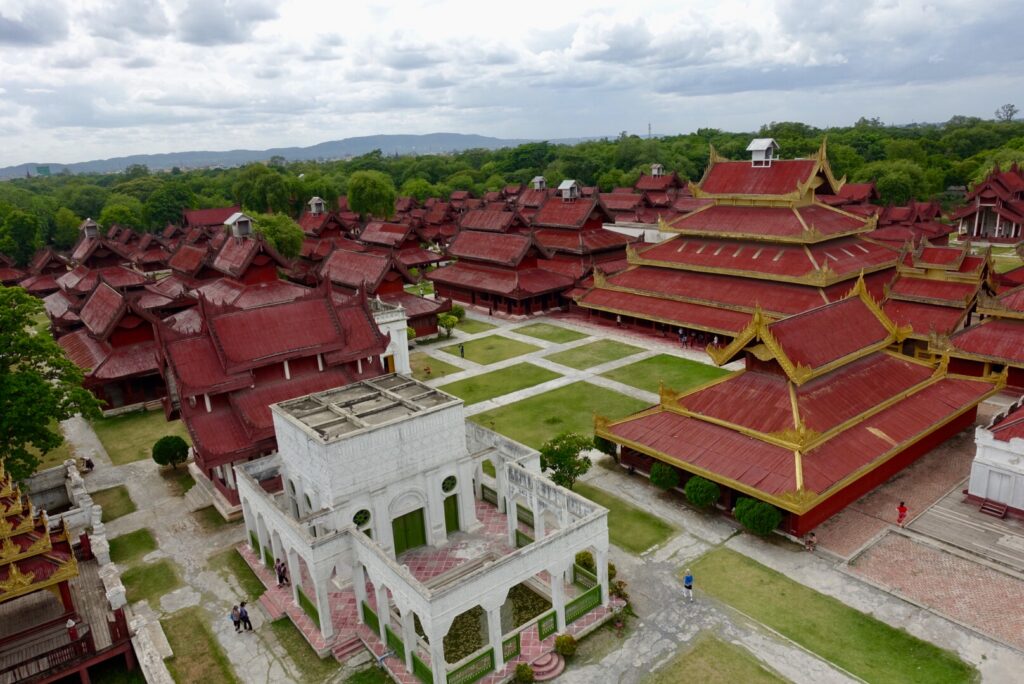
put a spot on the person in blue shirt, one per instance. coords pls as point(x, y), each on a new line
point(688, 585)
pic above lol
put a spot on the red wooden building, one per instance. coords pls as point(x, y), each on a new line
point(380, 274)
point(994, 210)
point(55, 621)
point(43, 271)
point(994, 344)
point(754, 235)
point(224, 366)
point(935, 290)
point(823, 412)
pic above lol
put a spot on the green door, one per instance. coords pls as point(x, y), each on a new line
point(409, 531)
point(451, 514)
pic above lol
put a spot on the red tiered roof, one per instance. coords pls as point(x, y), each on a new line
point(208, 218)
point(557, 213)
point(769, 222)
point(503, 248)
point(386, 234)
point(741, 178)
point(995, 339)
point(516, 284)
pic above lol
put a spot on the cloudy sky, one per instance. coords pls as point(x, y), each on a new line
point(85, 79)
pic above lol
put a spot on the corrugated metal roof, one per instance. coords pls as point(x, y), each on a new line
point(102, 310)
point(740, 178)
point(828, 333)
point(676, 313)
point(924, 318)
point(995, 338)
point(498, 248)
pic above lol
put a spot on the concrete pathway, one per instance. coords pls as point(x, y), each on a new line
point(257, 657)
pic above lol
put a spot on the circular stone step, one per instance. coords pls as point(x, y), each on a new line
point(547, 667)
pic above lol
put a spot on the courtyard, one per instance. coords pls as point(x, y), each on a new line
point(531, 383)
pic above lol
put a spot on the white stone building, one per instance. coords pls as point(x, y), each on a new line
point(997, 473)
point(384, 493)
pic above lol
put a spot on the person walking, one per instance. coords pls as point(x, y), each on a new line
point(279, 571)
point(462, 350)
point(243, 616)
point(688, 585)
point(236, 618)
point(901, 514)
point(810, 542)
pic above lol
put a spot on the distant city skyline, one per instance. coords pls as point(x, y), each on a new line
point(103, 78)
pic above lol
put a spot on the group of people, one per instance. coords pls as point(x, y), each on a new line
point(240, 617)
point(696, 338)
point(281, 568)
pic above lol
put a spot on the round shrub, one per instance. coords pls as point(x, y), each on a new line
point(524, 674)
point(757, 516)
point(585, 560)
point(565, 645)
point(460, 312)
point(170, 450)
point(605, 446)
point(701, 492)
point(664, 476)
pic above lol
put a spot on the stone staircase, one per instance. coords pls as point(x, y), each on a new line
point(547, 667)
point(200, 496)
point(994, 508)
point(346, 647)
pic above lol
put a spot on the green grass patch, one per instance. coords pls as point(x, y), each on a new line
point(550, 333)
point(471, 326)
point(313, 667)
point(115, 501)
point(130, 437)
point(231, 561)
point(130, 547)
point(426, 367)
point(178, 480)
point(629, 527)
point(714, 661)
point(150, 581)
point(197, 655)
point(422, 288)
point(211, 520)
point(676, 373)
point(593, 354)
point(307, 605)
point(491, 349)
point(496, 383)
point(371, 675)
point(852, 640)
point(53, 457)
point(537, 419)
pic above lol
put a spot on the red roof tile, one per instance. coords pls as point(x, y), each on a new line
point(497, 248)
point(356, 269)
point(829, 333)
point(489, 220)
point(1008, 426)
point(188, 259)
point(993, 338)
point(507, 282)
point(387, 234)
point(557, 213)
point(207, 218)
point(581, 241)
point(741, 178)
point(416, 306)
point(932, 291)
point(924, 318)
point(769, 222)
point(102, 310)
point(417, 257)
point(673, 312)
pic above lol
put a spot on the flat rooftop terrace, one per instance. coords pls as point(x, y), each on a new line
point(335, 413)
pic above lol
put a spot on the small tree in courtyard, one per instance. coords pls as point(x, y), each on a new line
point(757, 516)
point(664, 476)
point(447, 322)
point(170, 450)
point(701, 492)
point(563, 457)
point(458, 311)
point(565, 645)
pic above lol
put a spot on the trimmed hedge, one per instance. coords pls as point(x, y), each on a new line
point(664, 476)
point(757, 516)
point(701, 492)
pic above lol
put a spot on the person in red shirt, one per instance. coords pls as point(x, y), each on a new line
point(901, 511)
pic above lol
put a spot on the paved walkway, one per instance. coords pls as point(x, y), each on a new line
point(256, 657)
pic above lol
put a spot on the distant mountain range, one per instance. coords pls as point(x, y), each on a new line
point(431, 143)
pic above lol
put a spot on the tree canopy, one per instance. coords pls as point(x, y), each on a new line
point(281, 232)
point(38, 385)
point(563, 457)
point(20, 236)
point(371, 193)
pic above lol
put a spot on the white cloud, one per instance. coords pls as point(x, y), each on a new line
point(127, 76)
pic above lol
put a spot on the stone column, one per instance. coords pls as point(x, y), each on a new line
point(538, 519)
point(383, 610)
point(494, 635)
point(436, 632)
point(247, 518)
point(359, 587)
point(601, 558)
point(501, 481)
point(408, 636)
point(294, 574)
point(261, 535)
point(558, 595)
point(513, 523)
point(321, 585)
point(467, 502)
point(381, 517)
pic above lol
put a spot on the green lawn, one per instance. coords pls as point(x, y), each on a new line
point(115, 501)
point(852, 640)
point(371, 675)
point(197, 655)
point(676, 373)
point(422, 288)
point(496, 383)
point(629, 527)
point(54, 457)
point(130, 437)
point(150, 581)
point(211, 520)
point(472, 327)
point(178, 480)
point(593, 354)
point(130, 547)
point(713, 661)
point(550, 333)
point(230, 561)
point(425, 367)
point(491, 349)
point(313, 668)
point(537, 419)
